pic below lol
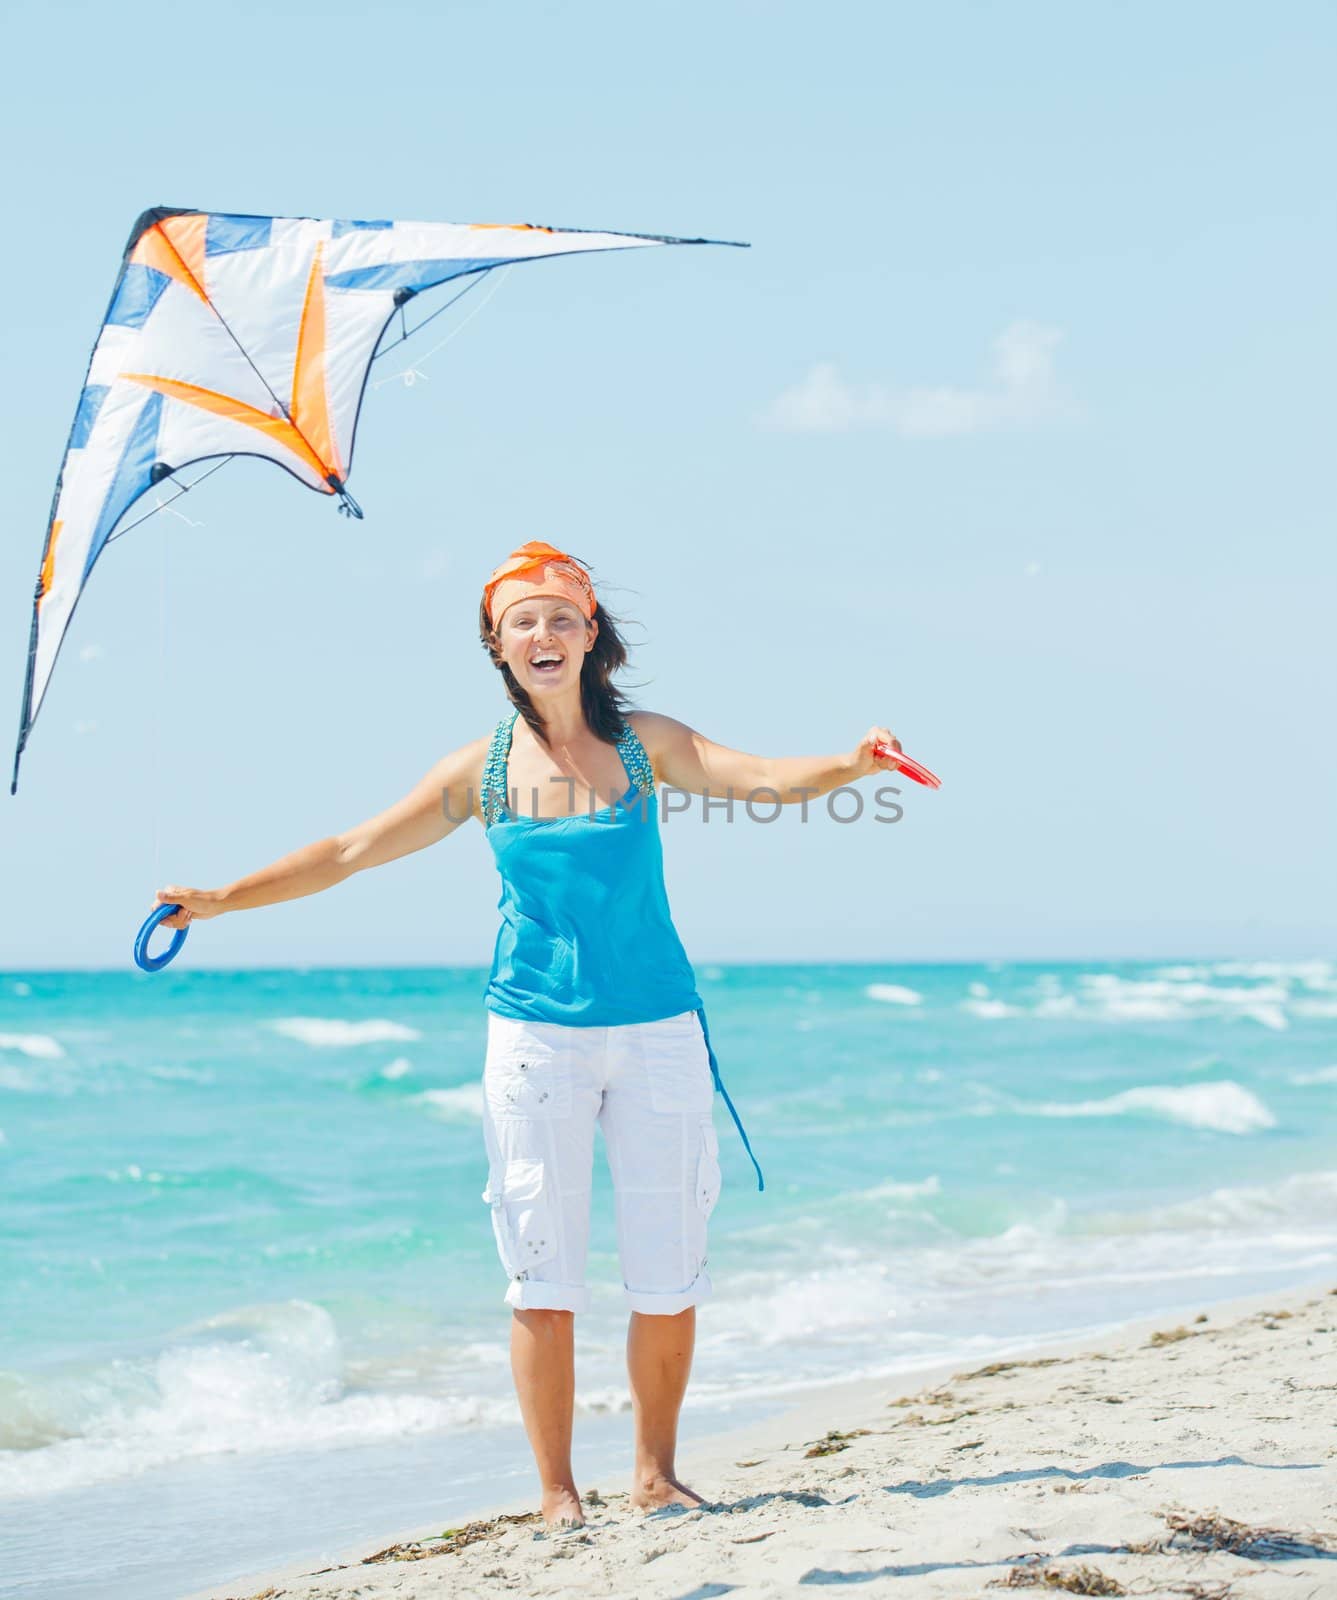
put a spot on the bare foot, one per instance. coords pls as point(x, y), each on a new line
point(561, 1509)
point(655, 1490)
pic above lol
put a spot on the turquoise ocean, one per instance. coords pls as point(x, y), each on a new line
point(250, 1308)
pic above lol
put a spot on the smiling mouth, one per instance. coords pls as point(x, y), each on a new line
point(547, 664)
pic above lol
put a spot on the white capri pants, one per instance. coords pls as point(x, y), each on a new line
point(648, 1085)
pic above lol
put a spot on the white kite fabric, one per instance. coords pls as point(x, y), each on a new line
point(236, 335)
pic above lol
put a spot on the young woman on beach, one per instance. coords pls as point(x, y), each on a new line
point(593, 1014)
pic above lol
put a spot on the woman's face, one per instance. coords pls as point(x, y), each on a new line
point(548, 630)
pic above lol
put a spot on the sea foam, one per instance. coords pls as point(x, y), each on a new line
point(894, 994)
point(464, 1103)
point(905, 1191)
point(1224, 1107)
point(259, 1378)
point(990, 1010)
point(40, 1046)
point(1175, 994)
point(1295, 1203)
point(336, 1031)
point(1308, 1080)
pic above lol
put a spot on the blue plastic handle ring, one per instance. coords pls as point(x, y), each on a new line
point(143, 959)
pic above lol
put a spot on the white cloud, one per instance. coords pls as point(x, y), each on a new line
point(1022, 388)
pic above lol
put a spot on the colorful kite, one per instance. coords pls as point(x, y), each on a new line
point(234, 335)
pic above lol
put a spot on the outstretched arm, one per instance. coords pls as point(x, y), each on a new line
point(437, 805)
point(689, 761)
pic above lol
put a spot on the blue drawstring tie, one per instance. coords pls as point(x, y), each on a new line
point(719, 1084)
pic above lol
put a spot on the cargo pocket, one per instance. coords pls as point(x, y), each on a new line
point(677, 1066)
point(529, 1078)
point(708, 1174)
point(522, 1218)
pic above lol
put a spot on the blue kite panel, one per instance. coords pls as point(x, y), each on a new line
point(136, 295)
point(408, 274)
point(90, 403)
point(133, 476)
point(223, 235)
point(341, 228)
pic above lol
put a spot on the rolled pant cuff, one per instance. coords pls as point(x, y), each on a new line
point(525, 1294)
point(668, 1305)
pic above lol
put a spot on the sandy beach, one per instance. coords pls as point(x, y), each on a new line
point(1192, 1457)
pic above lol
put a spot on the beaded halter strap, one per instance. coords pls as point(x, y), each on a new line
point(629, 747)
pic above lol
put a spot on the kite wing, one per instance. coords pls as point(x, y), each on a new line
point(235, 335)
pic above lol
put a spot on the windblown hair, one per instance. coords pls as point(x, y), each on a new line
point(604, 704)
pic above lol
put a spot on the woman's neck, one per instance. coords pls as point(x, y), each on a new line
point(564, 722)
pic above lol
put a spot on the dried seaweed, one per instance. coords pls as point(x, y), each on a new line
point(995, 1367)
point(1169, 1336)
point(1217, 1533)
point(834, 1440)
point(1074, 1580)
point(916, 1420)
point(452, 1540)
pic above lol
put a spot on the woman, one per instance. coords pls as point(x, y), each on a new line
point(593, 1014)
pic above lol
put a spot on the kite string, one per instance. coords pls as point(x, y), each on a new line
point(406, 333)
point(158, 699)
point(411, 372)
point(166, 505)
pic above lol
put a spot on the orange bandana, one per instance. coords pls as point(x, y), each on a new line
point(537, 568)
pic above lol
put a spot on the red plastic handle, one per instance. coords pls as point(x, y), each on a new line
point(910, 767)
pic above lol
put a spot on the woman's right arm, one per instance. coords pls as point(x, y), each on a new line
point(437, 805)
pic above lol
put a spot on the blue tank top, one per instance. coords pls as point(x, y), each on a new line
point(586, 936)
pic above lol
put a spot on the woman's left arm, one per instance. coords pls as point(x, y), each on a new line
point(689, 761)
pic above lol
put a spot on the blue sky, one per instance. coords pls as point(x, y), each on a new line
point(1012, 431)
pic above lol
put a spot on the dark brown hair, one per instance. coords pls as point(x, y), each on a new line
point(604, 704)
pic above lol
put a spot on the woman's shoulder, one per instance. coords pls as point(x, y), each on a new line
point(647, 726)
point(654, 726)
point(484, 763)
point(657, 733)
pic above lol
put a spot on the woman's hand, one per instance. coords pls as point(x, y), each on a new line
point(196, 905)
point(864, 759)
